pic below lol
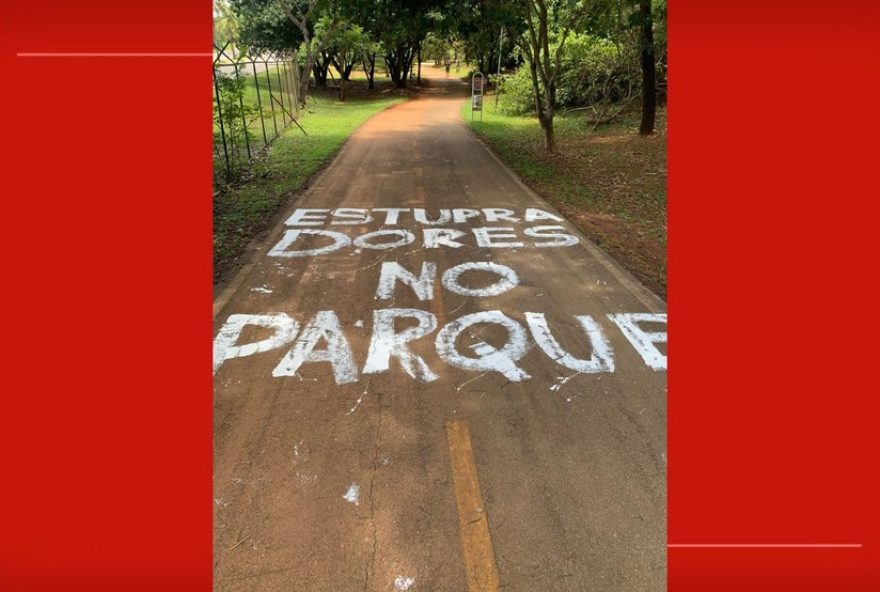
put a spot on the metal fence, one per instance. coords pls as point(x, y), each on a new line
point(255, 99)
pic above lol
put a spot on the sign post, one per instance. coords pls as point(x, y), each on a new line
point(477, 95)
point(498, 79)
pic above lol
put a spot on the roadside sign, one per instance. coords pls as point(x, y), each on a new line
point(477, 94)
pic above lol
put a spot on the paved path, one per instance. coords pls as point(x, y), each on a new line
point(470, 409)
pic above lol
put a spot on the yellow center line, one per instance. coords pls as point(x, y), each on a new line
point(473, 523)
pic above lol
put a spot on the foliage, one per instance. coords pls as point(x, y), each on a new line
point(597, 66)
point(477, 26)
point(346, 44)
point(234, 112)
point(592, 72)
point(263, 24)
point(437, 48)
point(517, 96)
point(226, 24)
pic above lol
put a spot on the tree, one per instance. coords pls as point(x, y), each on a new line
point(368, 59)
point(436, 47)
point(402, 27)
point(304, 15)
point(649, 72)
point(226, 25)
point(478, 25)
point(347, 44)
point(548, 25)
point(264, 25)
point(367, 15)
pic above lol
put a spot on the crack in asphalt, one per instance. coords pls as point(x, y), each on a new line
point(368, 568)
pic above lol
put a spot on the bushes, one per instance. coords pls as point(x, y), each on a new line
point(594, 72)
point(517, 97)
point(233, 115)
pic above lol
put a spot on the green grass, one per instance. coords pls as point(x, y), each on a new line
point(610, 182)
point(242, 211)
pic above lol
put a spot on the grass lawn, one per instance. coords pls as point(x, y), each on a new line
point(610, 183)
point(241, 211)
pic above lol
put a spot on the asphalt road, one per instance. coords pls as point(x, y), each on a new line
point(402, 423)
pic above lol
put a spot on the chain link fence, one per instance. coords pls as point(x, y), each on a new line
point(256, 97)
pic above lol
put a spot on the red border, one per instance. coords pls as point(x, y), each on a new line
point(106, 421)
point(772, 161)
point(105, 429)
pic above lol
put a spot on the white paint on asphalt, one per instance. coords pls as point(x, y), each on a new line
point(499, 360)
point(643, 341)
point(601, 359)
point(324, 326)
point(282, 249)
point(225, 347)
point(392, 272)
point(508, 281)
point(357, 404)
point(324, 341)
point(406, 237)
point(561, 236)
point(386, 343)
point(493, 237)
point(351, 496)
point(421, 216)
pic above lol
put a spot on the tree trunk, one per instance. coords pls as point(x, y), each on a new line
point(320, 67)
point(398, 66)
point(549, 110)
point(419, 78)
point(649, 74)
point(371, 71)
point(305, 76)
point(320, 74)
point(547, 126)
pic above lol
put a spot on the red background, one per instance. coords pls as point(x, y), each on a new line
point(105, 426)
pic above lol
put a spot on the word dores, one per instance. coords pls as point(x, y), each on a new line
point(301, 242)
point(322, 340)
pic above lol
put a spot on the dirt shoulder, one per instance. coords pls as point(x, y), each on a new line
point(244, 208)
point(610, 182)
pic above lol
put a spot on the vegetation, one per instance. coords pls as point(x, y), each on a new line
point(594, 58)
point(597, 55)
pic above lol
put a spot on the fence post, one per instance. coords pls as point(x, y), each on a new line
point(220, 112)
point(281, 93)
point(271, 98)
point(244, 124)
point(259, 102)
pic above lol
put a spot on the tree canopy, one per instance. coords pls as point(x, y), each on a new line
point(570, 53)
